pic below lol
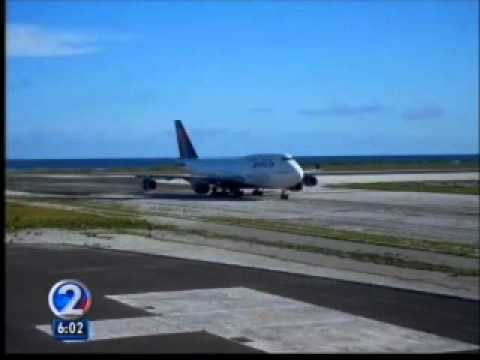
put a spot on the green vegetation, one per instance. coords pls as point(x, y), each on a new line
point(20, 217)
point(458, 249)
point(448, 187)
point(359, 256)
point(374, 258)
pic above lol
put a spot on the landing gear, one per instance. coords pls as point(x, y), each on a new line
point(284, 195)
point(257, 192)
point(216, 193)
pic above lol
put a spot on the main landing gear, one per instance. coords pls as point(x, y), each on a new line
point(216, 193)
point(237, 193)
point(257, 192)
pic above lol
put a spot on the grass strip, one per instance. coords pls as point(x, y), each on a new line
point(359, 256)
point(449, 248)
point(445, 187)
point(20, 217)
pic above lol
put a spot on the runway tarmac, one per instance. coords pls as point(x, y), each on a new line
point(446, 217)
point(144, 303)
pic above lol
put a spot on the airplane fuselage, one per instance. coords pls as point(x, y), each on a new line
point(259, 170)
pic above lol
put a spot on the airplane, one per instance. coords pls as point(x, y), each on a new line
point(232, 175)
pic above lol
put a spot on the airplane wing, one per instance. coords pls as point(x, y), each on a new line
point(225, 181)
point(169, 177)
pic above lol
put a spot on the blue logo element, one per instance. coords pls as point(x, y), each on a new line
point(69, 299)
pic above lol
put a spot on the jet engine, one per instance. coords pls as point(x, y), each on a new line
point(309, 180)
point(149, 184)
point(201, 187)
point(297, 187)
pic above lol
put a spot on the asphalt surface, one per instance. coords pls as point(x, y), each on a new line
point(32, 270)
point(81, 185)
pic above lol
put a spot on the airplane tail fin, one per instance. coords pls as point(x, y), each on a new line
point(185, 146)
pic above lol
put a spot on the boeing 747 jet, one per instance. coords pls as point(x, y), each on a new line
point(230, 176)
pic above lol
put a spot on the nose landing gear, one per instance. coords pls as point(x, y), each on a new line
point(284, 195)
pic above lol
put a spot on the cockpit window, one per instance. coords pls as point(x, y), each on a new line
point(287, 157)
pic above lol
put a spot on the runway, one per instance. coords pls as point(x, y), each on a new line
point(144, 303)
point(446, 217)
point(107, 183)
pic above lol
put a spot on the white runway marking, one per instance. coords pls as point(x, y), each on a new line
point(271, 323)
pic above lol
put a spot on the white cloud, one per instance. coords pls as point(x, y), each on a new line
point(24, 40)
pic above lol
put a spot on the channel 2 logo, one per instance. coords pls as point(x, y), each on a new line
point(70, 300)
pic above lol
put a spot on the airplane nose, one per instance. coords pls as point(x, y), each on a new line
point(297, 172)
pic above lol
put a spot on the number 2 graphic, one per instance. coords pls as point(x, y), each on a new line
point(77, 294)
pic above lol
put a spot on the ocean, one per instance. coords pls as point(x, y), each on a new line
point(26, 164)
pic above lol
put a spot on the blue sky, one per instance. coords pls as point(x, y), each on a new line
point(89, 79)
